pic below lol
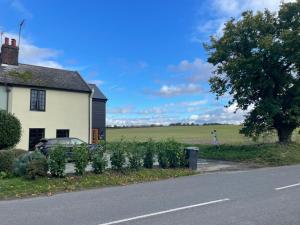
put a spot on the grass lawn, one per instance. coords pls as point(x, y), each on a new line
point(262, 154)
point(19, 187)
point(227, 134)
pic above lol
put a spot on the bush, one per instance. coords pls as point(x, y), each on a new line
point(3, 175)
point(117, 154)
point(80, 158)
point(10, 130)
point(37, 168)
point(6, 161)
point(57, 161)
point(98, 161)
point(23, 164)
point(175, 153)
point(135, 155)
point(171, 154)
point(18, 152)
point(149, 153)
point(162, 155)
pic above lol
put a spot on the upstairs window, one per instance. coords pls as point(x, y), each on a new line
point(37, 100)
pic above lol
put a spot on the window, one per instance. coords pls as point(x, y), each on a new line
point(35, 135)
point(62, 133)
point(37, 100)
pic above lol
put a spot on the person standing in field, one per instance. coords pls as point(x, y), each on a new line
point(214, 138)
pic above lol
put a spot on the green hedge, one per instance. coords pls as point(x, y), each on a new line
point(170, 154)
point(265, 154)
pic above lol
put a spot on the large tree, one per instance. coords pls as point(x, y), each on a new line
point(257, 61)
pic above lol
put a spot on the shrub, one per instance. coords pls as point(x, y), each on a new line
point(162, 155)
point(171, 154)
point(37, 168)
point(18, 152)
point(10, 130)
point(149, 153)
point(6, 161)
point(175, 153)
point(135, 155)
point(57, 161)
point(117, 154)
point(101, 146)
point(23, 163)
point(3, 175)
point(98, 160)
point(80, 158)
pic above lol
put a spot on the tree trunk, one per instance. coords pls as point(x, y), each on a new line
point(285, 134)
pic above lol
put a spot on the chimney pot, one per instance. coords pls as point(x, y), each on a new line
point(9, 53)
point(6, 41)
point(13, 43)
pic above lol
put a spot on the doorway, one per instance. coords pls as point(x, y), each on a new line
point(35, 135)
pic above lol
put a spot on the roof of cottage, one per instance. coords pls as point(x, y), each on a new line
point(42, 77)
point(97, 93)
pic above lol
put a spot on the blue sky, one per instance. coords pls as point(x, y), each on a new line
point(146, 56)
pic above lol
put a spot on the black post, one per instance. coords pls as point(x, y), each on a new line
point(192, 157)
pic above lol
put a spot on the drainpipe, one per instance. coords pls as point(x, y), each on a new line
point(7, 97)
point(90, 113)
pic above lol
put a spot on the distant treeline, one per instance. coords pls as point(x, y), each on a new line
point(170, 125)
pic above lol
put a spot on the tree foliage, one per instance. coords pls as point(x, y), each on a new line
point(257, 61)
point(10, 130)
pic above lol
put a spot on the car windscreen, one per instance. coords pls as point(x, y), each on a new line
point(58, 142)
point(76, 141)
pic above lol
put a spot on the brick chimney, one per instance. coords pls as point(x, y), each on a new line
point(9, 52)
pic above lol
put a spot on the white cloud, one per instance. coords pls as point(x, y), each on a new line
point(175, 112)
point(32, 54)
point(19, 7)
point(97, 82)
point(223, 10)
point(235, 7)
point(197, 70)
point(229, 115)
point(121, 110)
point(148, 120)
point(165, 109)
point(194, 103)
point(175, 90)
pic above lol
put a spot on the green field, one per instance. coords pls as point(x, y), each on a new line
point(227, 134)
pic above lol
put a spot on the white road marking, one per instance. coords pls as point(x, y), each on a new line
point(166, 211)
point(285, 187)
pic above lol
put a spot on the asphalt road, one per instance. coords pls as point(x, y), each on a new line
point(269, 196)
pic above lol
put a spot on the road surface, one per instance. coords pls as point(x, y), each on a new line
point(269, 196)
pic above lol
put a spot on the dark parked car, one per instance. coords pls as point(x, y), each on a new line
point(45, 145)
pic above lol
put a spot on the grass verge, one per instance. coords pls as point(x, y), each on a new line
point(19, 187)
point(262, 154)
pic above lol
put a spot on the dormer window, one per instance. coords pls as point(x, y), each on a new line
point(37, 100)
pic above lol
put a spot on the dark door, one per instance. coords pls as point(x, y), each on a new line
point(35, 135)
